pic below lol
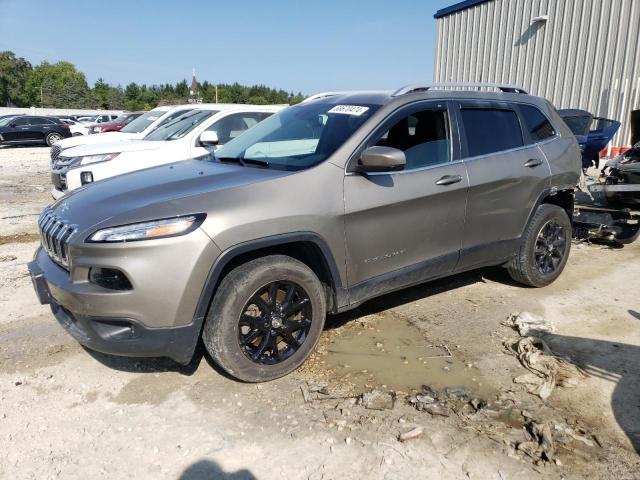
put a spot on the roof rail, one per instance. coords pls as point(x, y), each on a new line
point(440, 86)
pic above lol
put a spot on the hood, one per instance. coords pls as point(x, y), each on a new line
point(112, 147)
point(95, 139)
point(175, 189)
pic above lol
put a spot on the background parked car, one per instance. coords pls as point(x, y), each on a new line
point(28, 129)
point(91, 119)
point(76, 127)
point(137, 129)
point(116, 125)
point(194, 134)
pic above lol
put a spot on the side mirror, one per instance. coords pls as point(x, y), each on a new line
point(381, 159)
point(209, 138)
point(12, 125)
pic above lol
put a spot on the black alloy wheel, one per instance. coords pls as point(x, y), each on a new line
point(550, 247)
point(275, 322)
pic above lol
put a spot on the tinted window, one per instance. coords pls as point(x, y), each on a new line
point(233, 125)
point(536, 123)
point(491, 130)
point(21, 122)
point(422, 136)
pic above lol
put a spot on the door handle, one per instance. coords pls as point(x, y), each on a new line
point(449, 180)
point(533, 162)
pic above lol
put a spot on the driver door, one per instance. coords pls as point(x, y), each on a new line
point(405, 227)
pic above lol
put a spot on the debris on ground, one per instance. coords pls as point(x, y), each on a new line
point(427, 401)
point(547, 369)
point(377, 400)
point(570, 432)
point(527, 323)
point(308, 389)
point(411, 434)
point(455, 392)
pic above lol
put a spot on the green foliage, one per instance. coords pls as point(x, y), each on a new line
point(60, 85)
point(13, 75)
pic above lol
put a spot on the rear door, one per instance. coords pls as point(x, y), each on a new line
point(507, 174)
point(40, 128)
point(404, 227)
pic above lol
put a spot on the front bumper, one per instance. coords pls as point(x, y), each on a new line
point(129, 322)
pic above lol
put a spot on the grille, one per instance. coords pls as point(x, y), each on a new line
point(54, 236)
point(55, 152)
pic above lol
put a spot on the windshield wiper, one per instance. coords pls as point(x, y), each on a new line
point(262, 163)
point(231, 159)
point(243, 161)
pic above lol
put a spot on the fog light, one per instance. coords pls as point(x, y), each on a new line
point(86, 177)
point(110, 278)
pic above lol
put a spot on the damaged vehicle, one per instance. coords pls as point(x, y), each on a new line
point(592, 133)
point(313, 211)
point(622, 184)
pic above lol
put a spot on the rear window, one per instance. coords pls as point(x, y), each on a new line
point(490, 130)
point(536, 123)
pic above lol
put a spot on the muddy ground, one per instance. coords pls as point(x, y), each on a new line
point(66, 412)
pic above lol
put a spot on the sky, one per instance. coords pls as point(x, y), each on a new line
point(294, 45)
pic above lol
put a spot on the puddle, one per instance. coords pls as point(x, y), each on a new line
point(390, 352)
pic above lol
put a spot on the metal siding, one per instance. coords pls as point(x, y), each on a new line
point(585, 56)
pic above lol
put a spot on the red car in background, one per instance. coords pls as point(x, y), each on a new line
point(116, 125)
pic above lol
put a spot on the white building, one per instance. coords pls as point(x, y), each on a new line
point(576, 53)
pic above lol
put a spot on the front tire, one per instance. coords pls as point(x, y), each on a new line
point(265, 318)
point(544, 248)
point(53, 138)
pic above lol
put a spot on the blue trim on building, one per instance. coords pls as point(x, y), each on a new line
point(443, 12)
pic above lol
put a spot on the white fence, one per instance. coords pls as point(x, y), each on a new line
point(55, 111)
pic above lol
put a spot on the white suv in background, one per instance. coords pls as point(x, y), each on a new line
point(193, 134)
point(137, 129)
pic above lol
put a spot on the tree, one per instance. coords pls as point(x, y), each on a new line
point(13, 76)
point(101, 92)
point(61, 85)
point(58, 85)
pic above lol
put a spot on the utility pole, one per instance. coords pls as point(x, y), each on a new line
point(41, 97)
point(216, 92)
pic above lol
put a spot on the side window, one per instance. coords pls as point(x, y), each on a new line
point(21, 122)
point(490, 130)
point(422, 136)
point(536, 123)
point(233, 125)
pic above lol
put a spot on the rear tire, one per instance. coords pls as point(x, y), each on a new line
point(53, 138)
point(544, 248)
point(250, 331)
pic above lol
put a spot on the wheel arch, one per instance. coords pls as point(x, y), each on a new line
point(307, 247)
point(562, 197)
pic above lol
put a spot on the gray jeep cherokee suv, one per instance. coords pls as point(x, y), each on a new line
point(315, 210)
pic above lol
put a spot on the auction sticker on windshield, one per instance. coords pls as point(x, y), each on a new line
point(349, 110)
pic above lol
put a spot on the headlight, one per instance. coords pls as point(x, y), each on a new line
point(97, 158)
point(163, 228)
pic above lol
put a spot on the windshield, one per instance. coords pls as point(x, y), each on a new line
point(121, 118)
point(299, 137)
point(5, 121)
point(142, 122)
point(179, 127)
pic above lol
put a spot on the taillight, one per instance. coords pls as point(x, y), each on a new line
point(64, 125)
